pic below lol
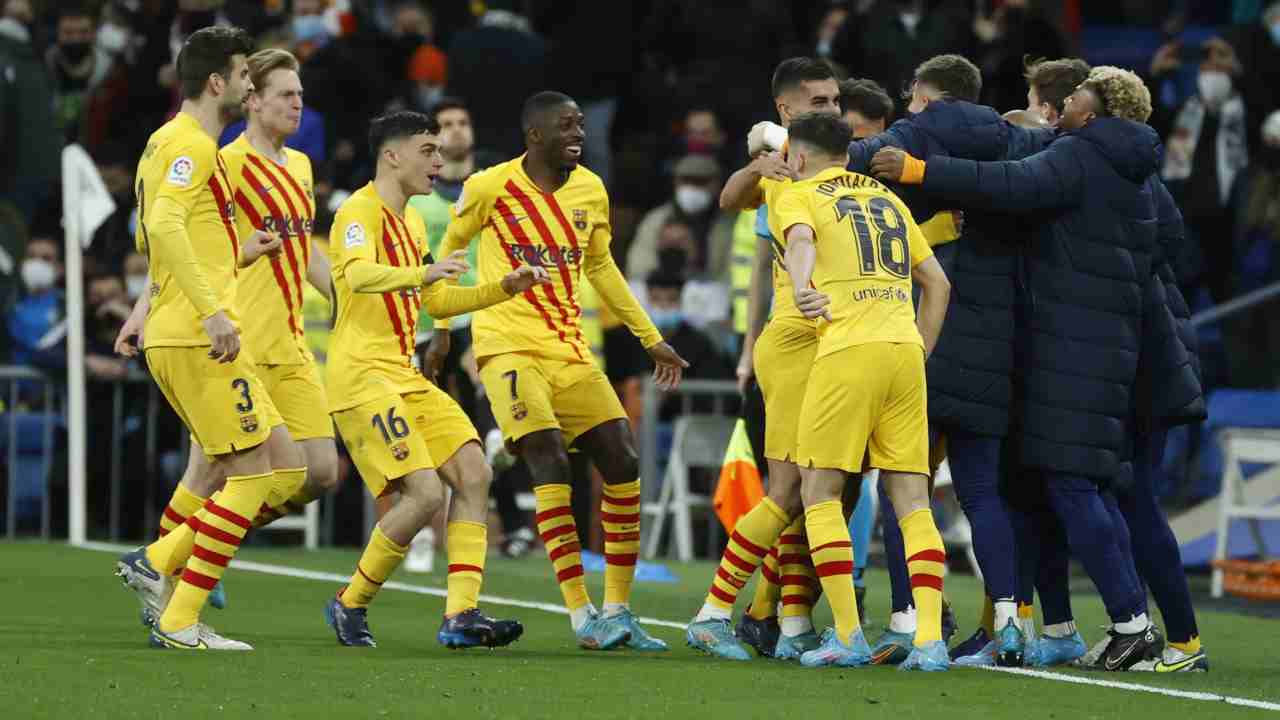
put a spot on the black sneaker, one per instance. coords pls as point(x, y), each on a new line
point(471, 628)
point(1125, 651)
point(760, 634)
point(351, 625)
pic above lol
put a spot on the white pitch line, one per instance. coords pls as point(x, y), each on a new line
point(286, 571)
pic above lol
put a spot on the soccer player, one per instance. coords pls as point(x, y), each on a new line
point(405, 434)
point(546, 392)
point(186, 227)
point(782, 355)
point(273, 188)
point(853, 251)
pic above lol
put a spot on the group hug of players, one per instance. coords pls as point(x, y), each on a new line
point(841, 364)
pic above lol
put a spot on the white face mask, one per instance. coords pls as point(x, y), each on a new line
point(37, 274)
point(692, 200)
point(112, 38)
point(1214, 86)
point(135, 285)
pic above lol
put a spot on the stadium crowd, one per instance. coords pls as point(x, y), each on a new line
point(669, 99)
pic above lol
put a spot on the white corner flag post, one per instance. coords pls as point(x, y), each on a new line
point(85, 205)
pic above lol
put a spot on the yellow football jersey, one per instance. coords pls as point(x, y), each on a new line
point(867, 244)
point(276, 198)
point(568, 232)
point(186, 228)
point(371, 349)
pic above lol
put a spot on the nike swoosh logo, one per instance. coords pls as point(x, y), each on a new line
point(1163, 667)
point(1120, 660)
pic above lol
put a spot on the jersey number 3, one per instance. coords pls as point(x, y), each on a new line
point(889, 249)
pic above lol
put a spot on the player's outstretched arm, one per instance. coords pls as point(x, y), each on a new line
point(935, 293)
point(742, 190)
point(444, 299)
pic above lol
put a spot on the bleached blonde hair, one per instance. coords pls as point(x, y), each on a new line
point(1123, 94)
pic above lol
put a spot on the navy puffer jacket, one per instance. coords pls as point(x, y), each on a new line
point(1087, 265)
point(1168, 390)
point(969, 372)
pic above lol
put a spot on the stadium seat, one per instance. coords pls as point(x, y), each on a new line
point(697, 441)
point(1256, 439)
point(308, 522)
point(31, 458)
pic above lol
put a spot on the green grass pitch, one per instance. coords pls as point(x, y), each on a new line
point(71, 646)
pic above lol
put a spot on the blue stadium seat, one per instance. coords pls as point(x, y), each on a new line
point(29, 472)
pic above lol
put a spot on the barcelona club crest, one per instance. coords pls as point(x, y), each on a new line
point(580, 219)
point(249, 423)
point(400, 451)
point(519, 410)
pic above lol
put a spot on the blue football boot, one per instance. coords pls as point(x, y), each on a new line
point(716, 637)
point(351, 625)
point(832, 652)
point(930, 658)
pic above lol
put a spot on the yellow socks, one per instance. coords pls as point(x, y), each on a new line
point(467, 545)
point(798, 581)
point(222, 525)
point(182, 505)
point(559, 535)
point(749, 544)
point(926, 563)
point(1190, 647)
point(832, 552)
point(288, 496)
point(764, 604)
point(620, 513)
point(988, 621)
point(381, 557)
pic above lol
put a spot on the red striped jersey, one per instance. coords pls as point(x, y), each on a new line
point(181, 164)
point(567, 232)
point(371, 348)
point(278, 198)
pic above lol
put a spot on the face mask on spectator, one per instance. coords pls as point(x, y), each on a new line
point(37, 274)
point(666, 319)
point(135, 285)
point(112, 38)
point(1214, 86)
point(309, 29)
point(74, 51)
point(692, 200)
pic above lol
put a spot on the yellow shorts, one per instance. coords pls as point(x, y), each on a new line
point(225, 406)
point(783, 357)
point(299, 396)
point(399, 434)
point(529, 393)
point(867, 401)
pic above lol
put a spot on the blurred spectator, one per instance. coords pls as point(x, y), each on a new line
point(693, 204)
point(831, 23)
point(1257, 46)
point(591, 65)
point(80, 70)
point(114, 238)
point(494, 67)
point(703, 133)
point(1006, 37)
point(1205, 149)
point(135, 275)
point(891, 37)
point(30, 141)
point(37, 321)
point(106, 308)
point(868, 109)
point(706, 361)
point(1257, 245)
point(721, 53)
